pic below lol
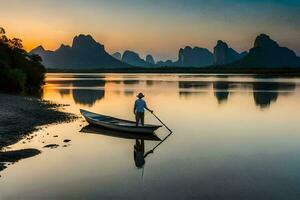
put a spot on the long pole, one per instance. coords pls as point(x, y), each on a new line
point(171, 132)
point(152, 150)
point(161, 122)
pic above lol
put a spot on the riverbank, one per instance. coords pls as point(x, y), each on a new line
point(20, 116)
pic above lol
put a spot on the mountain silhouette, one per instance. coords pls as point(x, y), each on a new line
point(133, 58)
point(267, 53)
point(194, 57)
point(225, 55)
point(117, 55)
point(85, 53)
point(150, 59)
point(166, 63)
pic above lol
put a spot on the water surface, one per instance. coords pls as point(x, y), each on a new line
point(235, 137)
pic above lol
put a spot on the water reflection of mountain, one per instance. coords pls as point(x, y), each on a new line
point(64, 92)
point(193, 84)
point(190, 88)
point(128, 92)
point(221, 90)
point(149, 82)
point(131, 82)
point(113, 81)
point(190, 94)
point(87, 92)
point(266, 93)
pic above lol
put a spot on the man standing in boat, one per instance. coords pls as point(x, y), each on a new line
point(139, 109)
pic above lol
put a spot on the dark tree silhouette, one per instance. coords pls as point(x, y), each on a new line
point(3, 38)
point(2, 30)
point(35, 58)
point(19, 71)
point(16, 43)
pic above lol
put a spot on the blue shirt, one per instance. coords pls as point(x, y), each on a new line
point(140, 105)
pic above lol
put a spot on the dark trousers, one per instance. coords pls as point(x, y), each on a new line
point(139, 116)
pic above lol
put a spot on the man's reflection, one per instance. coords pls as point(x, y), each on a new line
point(138, 153)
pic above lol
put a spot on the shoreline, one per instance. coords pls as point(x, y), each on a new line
point(22, 115)
point(288, 72)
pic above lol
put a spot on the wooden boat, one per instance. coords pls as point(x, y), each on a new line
point(89, 129)
point(117, 124)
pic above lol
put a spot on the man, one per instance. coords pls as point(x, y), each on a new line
point(139, 109)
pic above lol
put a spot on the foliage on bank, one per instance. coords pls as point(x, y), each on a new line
point(20, 72)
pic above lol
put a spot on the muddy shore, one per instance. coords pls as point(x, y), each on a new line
point(20, 116)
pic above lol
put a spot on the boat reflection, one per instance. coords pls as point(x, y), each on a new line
point(124, 135)
point(139, 154)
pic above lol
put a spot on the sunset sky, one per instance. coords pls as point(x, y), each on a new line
point(158, 27)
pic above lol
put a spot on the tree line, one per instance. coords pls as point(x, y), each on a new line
point(20, 72)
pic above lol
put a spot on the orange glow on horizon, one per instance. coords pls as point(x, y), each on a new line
point(158, 29)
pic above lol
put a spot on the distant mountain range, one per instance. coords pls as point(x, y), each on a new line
point(201, 57)
point(134, 59)
point(86, 53)
point(267, 53)
point(224, 55)
point(150, 59)
point(194, 57)
point(190, 57)
point(117, 55)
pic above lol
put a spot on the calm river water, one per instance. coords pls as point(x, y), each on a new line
point(235, 137)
